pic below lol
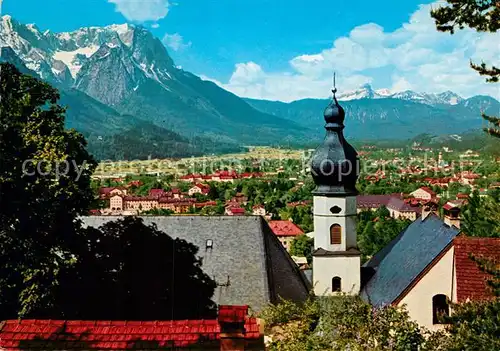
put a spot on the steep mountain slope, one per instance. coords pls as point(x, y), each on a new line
point(114, 136)
point(127, 68)
point(389, 118)
point(115, 78)
point(150, 141)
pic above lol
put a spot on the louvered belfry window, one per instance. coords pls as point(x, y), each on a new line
point(335, 234)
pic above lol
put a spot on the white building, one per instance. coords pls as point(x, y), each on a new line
point(424, 268)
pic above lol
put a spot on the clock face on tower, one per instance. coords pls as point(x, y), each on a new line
point(335, 210)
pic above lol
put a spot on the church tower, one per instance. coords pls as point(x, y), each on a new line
point(335, 170)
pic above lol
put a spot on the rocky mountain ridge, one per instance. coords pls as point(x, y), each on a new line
point(125, 67)
point(118, 77)
point(367, 92)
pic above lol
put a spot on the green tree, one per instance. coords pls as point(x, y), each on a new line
point(472, 326)
point(482, 16)
point(44, 185)
point(302, 246)
point(138, 272)
point(340, 323)
point(481, 217)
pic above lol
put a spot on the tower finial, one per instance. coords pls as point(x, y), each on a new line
point(334, 84)
point(334, 90)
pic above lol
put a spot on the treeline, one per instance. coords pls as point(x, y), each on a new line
point(149, 141)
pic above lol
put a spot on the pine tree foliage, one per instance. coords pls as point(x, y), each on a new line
point(482, 16)
point(492, 268)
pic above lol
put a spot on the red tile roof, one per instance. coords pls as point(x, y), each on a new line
point(372, 201)
point(232, 314)
point(471, 281)
point(205, 189)
point(428, 190)
point(122, 335)
point(107, 190)
point(448, 206)
point(236, 210)
point(206, 203)
point(285, 228)
point(156, 192)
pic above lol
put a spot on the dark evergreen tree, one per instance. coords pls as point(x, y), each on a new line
point(44, 185)
point(482, 16)
point(127, 270)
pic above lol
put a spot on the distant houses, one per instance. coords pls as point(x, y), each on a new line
point(423, 193)
point(397, 206)
point(199, 189)
point(122, 204)
point(220, 176)
point(286, 232)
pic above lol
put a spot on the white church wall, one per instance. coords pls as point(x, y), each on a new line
point(439, 280)
point(327, 267)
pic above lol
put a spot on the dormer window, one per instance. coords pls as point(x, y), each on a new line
point(210, 244)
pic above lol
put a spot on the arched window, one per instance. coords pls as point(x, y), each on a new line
point(440, 308)
point(335, 234)
point(336, 284)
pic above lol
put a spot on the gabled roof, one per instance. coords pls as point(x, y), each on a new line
point(244, 249)
point(411, 253)
point(427, 190)
point(285, 228)
point(401, 206)
point(471, 281)
point(369, 201)
point(156, 192)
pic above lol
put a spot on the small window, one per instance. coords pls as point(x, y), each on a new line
point(335, 210)
point(210, 244)
point(440, 308)
point(335, 234)
point(336, 284)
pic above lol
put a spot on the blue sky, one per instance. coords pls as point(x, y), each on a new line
point(286, 50)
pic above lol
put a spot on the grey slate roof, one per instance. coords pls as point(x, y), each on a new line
point(408, 255)
point(244, 248)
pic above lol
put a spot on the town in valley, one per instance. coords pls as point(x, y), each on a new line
point(202, 177)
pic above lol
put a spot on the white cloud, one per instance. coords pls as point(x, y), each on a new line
point(175, 41)
point(142, 10)
point(416, 55)
point(155, 26)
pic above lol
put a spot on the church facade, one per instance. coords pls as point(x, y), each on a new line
point(424, 268)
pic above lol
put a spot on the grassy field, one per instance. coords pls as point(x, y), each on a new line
point(182, 166)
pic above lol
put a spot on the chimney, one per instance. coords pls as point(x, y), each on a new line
point(451, 215)
point(232, 327)
point(428, 208)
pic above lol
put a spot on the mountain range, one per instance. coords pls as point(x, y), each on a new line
point(120, 84)
point(390, 118)
point(367, 92)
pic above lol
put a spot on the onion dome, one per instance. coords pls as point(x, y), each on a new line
point(335, 163)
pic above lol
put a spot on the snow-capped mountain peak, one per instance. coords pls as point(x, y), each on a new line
point(367, 92)
point(59, 57)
